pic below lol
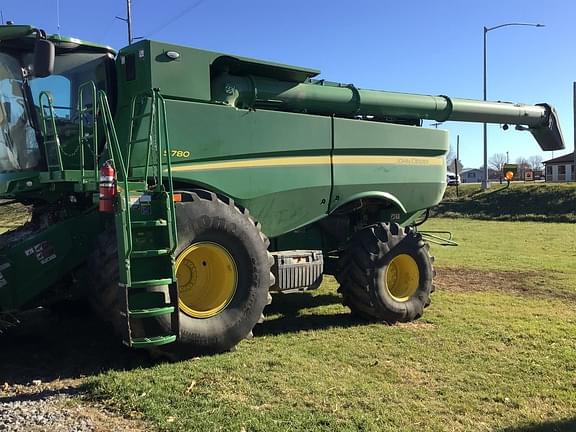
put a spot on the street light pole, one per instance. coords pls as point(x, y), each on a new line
point(485, 182)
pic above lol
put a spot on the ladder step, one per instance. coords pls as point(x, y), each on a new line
point(150, 223)
point(138, 141)
point(139, 116)
point(150, 312)
point(151, 283)
point(152, 341)
point(150, 253)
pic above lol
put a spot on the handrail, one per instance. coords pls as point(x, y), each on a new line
point(169, 167)
point(82, 138)
point(50, 106)
point(117, 159)
point(158, 130)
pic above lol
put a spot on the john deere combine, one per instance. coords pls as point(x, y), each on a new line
point(176, 188)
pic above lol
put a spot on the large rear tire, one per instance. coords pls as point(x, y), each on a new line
point(386, 274)
point(223, 271)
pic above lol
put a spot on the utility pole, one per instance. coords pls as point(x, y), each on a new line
point(456, 162)
point(128, 20)
point(574, 110)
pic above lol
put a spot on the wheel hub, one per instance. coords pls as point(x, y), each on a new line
point(207, 279)
point(402, 277)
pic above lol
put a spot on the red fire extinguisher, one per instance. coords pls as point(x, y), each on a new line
point(107, 188)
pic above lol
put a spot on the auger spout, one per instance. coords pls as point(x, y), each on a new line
point(320, 97)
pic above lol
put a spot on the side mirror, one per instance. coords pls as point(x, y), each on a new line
point(44, 53)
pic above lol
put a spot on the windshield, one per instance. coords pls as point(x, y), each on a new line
point(71, 70)
point(18, 146)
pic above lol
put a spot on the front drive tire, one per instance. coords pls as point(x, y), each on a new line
point(223, 270)
point(386, 274)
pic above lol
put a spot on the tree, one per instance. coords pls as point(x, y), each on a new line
point(523, 166)
point(451, 155)
point(497, 161)
point(452, 166)
point(535, 162)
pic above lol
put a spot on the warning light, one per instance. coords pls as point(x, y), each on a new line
point(509, 175)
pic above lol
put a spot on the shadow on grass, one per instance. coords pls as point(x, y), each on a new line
point(289, 307)
point(295, 324)
point(56, 346)
point(555, 426)
point(59, 346)
point(291, 304)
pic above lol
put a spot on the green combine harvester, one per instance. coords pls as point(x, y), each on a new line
point(177, 188)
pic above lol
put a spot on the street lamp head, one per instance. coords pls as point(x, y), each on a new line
point(487, 29)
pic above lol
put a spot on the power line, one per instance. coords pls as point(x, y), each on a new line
point(175, 17)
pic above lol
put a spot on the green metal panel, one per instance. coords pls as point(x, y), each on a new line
point(407, 162)
point(37, 262)
point(17, 182)
point(15, 31)
point(276, 164)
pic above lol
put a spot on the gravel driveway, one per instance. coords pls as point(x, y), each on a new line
point(43, 368)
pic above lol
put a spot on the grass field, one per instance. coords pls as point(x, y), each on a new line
point(495, 351)
point(545, 202)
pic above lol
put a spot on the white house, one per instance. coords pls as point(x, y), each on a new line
point(560, 169)
point(471, 175)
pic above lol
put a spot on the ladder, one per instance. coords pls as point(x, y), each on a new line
point(52, 149)
point(72, 167)
point(145, 221)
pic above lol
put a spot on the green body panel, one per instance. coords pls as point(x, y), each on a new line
point(406, 162)
point(40, 260)
point(283, 178)
point(15, 183)
point(15, 31)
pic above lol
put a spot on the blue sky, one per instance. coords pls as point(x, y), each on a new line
point(418, 46)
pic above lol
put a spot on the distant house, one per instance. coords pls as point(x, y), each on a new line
point(560, 169)
point(471, 175)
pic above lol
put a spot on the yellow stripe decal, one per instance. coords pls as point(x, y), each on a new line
point(297, 161)
point(388, 160)
point(253, 163)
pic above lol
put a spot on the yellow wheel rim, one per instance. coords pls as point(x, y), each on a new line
point(402, 277)
point(207, 279)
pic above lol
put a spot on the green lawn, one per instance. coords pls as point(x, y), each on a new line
point(546, 202)
point(495, 351)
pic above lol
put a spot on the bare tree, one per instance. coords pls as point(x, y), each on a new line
point(451, 155)
point(497, 161)
point(452, 166)
point(523, 166)
point(535, 162)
